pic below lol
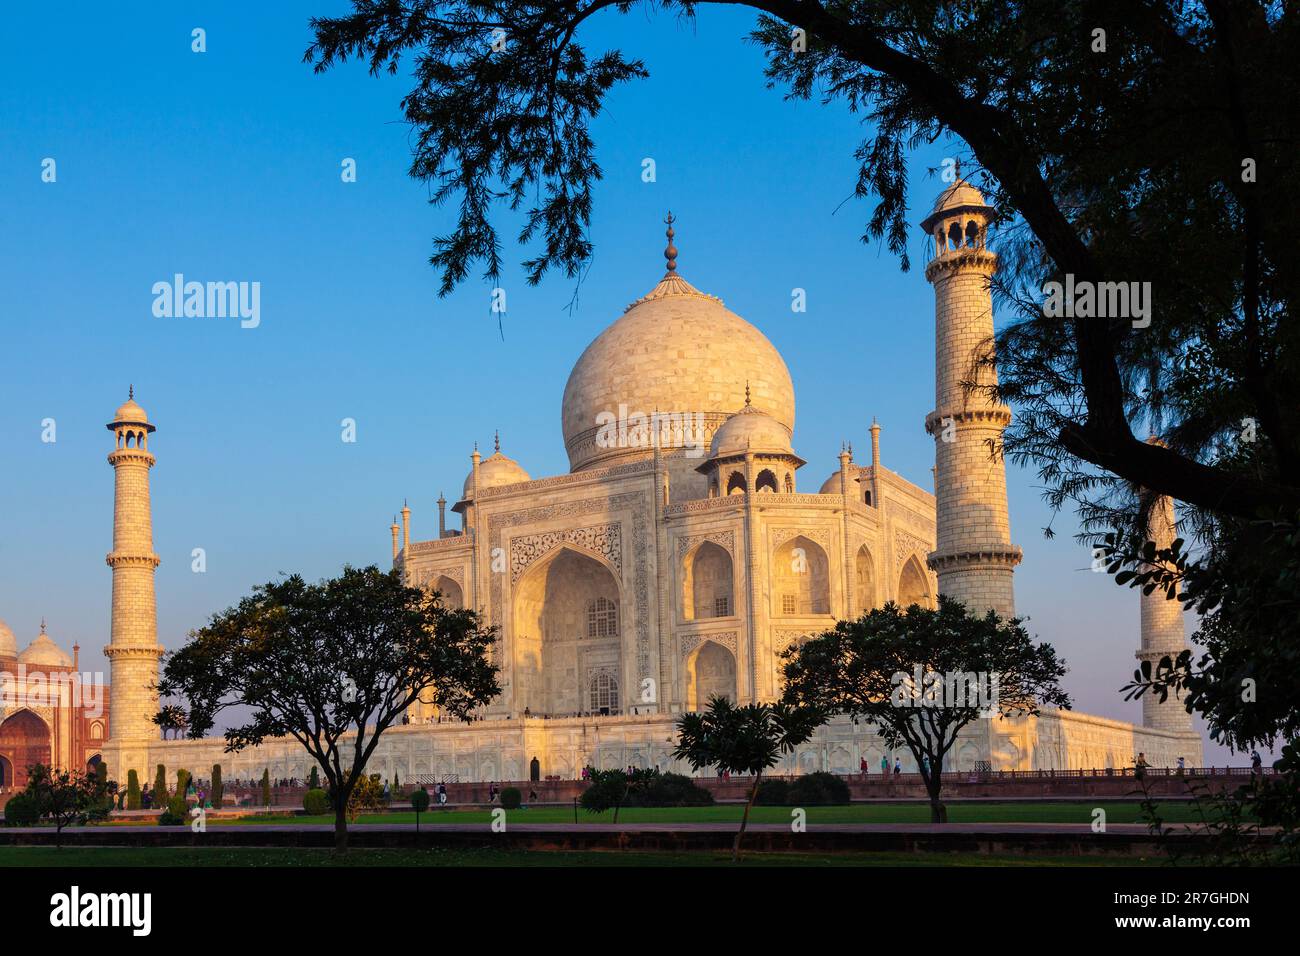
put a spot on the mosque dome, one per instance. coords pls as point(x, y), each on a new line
point(831, 486)
point(8, 643)
point(44, 652)
point(961, 196)
point(750, 430)
point(129, 411)
point(493, 472)
point(675, 350)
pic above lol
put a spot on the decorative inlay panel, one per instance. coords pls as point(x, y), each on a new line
point(603, 539)
point(783, 637)
point(822, 536)
point(905, 545)
point(725, 539)
point(689, 642)
point(426, 576)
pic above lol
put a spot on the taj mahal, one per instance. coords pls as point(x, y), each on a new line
point(686, 547)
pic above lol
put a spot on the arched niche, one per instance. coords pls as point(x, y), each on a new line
point(567, 617)
point(450, 591)
point(24, 741)
point(864, 582)
point(914, 585)
point(800, 579)
point(710, 672)
point(708, 583)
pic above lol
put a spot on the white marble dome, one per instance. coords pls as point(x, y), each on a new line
point(44, 652)
point(831, 486)
point(959, 195)
point(750, 430)
point(493, 472)
point(8, 643)
point(675, 350)
point(130, 413)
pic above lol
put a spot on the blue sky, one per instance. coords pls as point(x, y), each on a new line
point(225, 166)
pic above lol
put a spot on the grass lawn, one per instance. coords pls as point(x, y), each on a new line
point(19, 856)
point(1116, 812)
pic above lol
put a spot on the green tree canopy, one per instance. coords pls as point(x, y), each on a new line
point(744, 739)
point(332, 665)
point(920, 675)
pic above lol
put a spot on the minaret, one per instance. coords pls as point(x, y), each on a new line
point(875, 462)
point(973, 557)
point(1162, 629)
point(134, 651)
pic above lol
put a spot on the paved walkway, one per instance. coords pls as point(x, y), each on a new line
point(512, 823)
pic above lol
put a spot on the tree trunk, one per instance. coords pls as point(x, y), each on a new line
point(938, 812)
point(341, 827)
point(744, 820)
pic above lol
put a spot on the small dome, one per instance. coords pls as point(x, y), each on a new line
point(129, 411)
point(750, 430)
point(494, 472)
point(45, 652)
point(961, 195)
point(831, 486)
point(8, 643)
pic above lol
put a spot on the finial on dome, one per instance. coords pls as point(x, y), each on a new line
point(670, 253)
point(747, 393)
point(130, 392)
point(42, 625)
point(496, 441)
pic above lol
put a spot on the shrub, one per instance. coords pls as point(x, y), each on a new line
point(182, 782)
point(218, 793)
point(316, 802)
point(773, 793)
point(511, 798)
point(132, 790)
point(818, 789)
point(313, 779)
point(420, 800)
point(22, 810)
point(176, 814)
point(670, 790)
point(160, 786)
point(367, 797)
point(266, 787)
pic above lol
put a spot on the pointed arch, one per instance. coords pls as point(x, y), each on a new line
point(864, 583)
point(708, 576)
point(24, 741)
point(710, 672)
point(566, 616)
point(766, 481)
point(450, 590)
point(914, 585)
point(800, 578)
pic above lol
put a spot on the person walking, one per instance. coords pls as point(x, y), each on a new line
point(884, 765)
point(898, 767)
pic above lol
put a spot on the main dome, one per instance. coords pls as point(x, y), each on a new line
point(676, 351)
